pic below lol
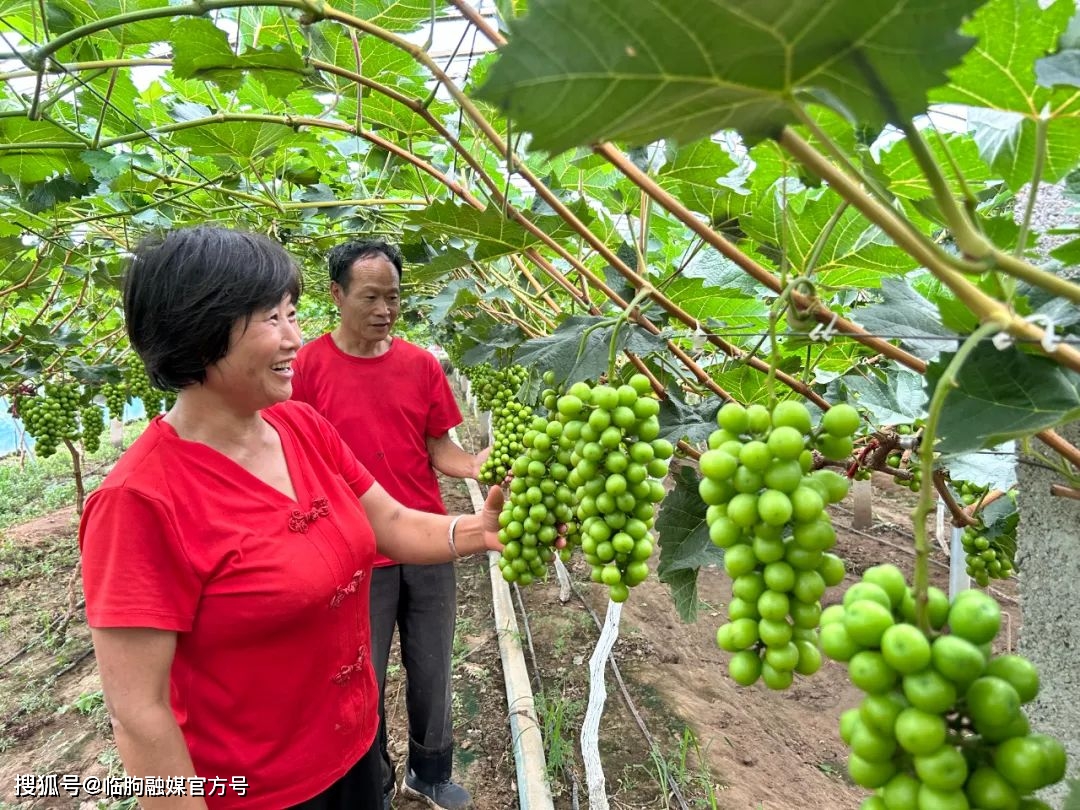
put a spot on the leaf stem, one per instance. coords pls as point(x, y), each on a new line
point(925, 504)
point(1041, 126)
point(985, 308)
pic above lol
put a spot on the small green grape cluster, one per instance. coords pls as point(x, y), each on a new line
point(766, 509)
point(139, 387)
point(913, 481)
point(941, 725)
point(985, 558)
point(52, 417)
point(539, 509)
point(509, 421)
point(92, 419)
point(619, 463)
point(116, 397)
point(601, 446)
point(969, 493)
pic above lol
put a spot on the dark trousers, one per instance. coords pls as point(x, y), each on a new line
point(422, 601)
point(358, 789)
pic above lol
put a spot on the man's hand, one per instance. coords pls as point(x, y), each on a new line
point(479, 460)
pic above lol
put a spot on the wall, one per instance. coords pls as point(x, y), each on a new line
point(1049, 560)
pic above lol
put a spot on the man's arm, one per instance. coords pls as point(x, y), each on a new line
point(449, 459)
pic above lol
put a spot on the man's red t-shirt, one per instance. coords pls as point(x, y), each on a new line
point(271, 679)
point(385, 408)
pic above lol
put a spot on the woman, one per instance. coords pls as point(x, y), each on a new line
point(226, 558)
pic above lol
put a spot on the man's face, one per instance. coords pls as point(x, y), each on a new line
point(371, 304)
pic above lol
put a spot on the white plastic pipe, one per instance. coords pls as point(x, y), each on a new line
point(590, 727)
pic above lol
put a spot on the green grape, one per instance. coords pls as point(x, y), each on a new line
point(496, 392)
point(767, 510)
point(941, 725)
point(589, 473)
point(116, 397)
point(92, 419)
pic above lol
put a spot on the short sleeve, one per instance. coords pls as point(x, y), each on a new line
point(134, 567)
point(299, 385)
point(444, 412)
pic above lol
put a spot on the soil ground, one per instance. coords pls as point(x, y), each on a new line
point(711, 744)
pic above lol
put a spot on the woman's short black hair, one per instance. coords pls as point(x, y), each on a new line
point(342, 257)
point(184, 290)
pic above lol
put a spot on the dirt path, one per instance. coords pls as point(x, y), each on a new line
point(714, 743)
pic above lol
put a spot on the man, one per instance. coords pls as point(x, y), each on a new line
point(392, 404)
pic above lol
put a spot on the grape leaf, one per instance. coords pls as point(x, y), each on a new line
point(898, 399)
point(697, 175)
point(995, 467)
point(998, 78)
point(906, 315)
point(685, 546)
point(680, 420)
point(575, 355)
point(458, 293)
point(1002, 395)
point(575, 73)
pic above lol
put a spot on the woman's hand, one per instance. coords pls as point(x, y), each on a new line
point(489, 518)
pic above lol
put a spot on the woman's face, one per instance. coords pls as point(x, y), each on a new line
point(257, 370)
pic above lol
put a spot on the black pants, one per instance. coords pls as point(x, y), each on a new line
point(359, 789)
point(422, 601)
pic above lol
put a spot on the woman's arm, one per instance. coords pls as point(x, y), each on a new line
point(421, 538)
point(134, 663)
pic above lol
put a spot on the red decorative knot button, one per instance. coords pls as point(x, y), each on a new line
point(351, 587)
point(342, 676)
point(299, 521)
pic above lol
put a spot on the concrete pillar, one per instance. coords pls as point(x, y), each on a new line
point(1048, 556)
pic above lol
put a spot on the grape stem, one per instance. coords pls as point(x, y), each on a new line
point(1063, 491)
point(926, 460)
point(960, 518)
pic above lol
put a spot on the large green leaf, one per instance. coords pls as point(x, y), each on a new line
point(681, 420)
point(998, 77)
point(580, 72)
point(894, 399)
point(854, 253)
point(201, 50)
point(239, 140)
point(958, 151)
point(579, 348)
point(698, 175)
point(393, 15)
point(685, 546)
point(81, 12)
point(1002, 395)
point(33, 165)
point(905, 315)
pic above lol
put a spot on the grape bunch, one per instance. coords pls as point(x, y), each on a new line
point(139, 387)
point(599, 454)
point(92, 420)
point(509, 420)
point(52, 416)
point(116, 397)
point(766, 509)
point(941, 725)
point(913, 480)
point(619, 463)
point(985, 558)
point(539, 508)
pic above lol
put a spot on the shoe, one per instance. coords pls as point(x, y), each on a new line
point(446, 795)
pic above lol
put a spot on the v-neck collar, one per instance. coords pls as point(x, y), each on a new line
point(292, 464)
